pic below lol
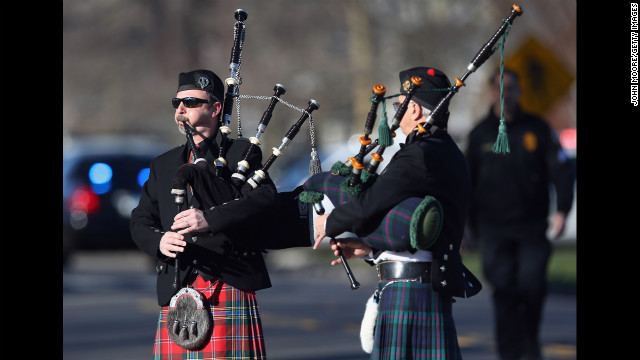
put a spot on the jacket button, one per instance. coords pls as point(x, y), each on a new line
point(195, 261)
point(444, 283)
point(442, 268)
point(450, 246)
point(194, 238)
point(445, 257)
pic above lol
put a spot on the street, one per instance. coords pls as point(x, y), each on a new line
point(310, 313)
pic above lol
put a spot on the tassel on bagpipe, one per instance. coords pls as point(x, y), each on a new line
point(483, 54)
point(239, 177)
point(356, 162)
point(286, 225)
point(233, 85)
point(369, 174)
point(353, 184)
point(210, 183)
point(260, 174)
point(376, 158)
point(414, 223)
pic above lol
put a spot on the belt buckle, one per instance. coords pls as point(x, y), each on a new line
point(379, 268)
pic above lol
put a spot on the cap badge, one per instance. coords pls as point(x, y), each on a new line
point(406, 85)
point(203, 82)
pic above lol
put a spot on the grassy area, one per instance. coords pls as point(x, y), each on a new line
point(562, 270)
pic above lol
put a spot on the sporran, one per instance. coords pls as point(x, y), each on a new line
point(189, 322)
point(367, 328)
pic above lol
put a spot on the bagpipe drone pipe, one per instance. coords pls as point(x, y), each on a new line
point(288, 222)
point(415, 222)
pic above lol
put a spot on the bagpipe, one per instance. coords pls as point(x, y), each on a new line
point(289, 224)
point(415, 222)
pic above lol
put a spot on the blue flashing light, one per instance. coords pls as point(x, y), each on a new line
point(100, 189)
point(143, 176)
point(100, 173)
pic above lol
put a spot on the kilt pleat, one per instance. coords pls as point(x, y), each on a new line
point(414, 322)
point(237, 328)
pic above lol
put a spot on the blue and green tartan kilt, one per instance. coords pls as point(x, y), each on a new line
point(236, 331)
point(414, 322)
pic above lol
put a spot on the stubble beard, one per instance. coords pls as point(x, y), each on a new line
point(180, 119)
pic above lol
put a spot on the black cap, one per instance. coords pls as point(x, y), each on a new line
point(432, 79)
point(202, 80)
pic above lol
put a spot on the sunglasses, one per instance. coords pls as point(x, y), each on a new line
point(189, 102)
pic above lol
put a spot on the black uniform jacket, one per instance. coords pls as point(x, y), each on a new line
point(514, 187)
point(217, 253)
point(431, 165)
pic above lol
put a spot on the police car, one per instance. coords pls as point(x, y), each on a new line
point(102, 180)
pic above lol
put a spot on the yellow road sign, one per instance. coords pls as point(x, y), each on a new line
point(543, 77)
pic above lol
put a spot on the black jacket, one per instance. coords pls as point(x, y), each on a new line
point(217, 253)
point(515, 187)
point(431, 165)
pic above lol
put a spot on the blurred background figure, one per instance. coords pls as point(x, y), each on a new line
point(509, 215)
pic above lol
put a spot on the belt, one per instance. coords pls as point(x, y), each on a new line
point(398, 270)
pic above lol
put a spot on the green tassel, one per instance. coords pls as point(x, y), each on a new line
point(367, 178)
point(311, 196)
point(384, 132)
point(501, 145)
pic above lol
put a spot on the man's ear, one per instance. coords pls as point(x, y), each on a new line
point(415, 111)
point(218, 106)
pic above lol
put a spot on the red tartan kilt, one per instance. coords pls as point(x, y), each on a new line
point(237, 329)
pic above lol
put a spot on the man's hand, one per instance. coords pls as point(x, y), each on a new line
point(557, 225)
point(318, 224)
point(351, 248)
point(172, 242)
point(191, 220)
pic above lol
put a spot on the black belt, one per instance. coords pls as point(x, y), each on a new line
point(398, 270)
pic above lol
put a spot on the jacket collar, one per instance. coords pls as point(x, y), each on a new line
point(208, 148)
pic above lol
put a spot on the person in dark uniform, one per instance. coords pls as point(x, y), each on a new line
point(414, 299)
point(510, 218)
point(212, 257)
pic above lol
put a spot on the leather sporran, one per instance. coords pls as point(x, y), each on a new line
point(189, 322)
